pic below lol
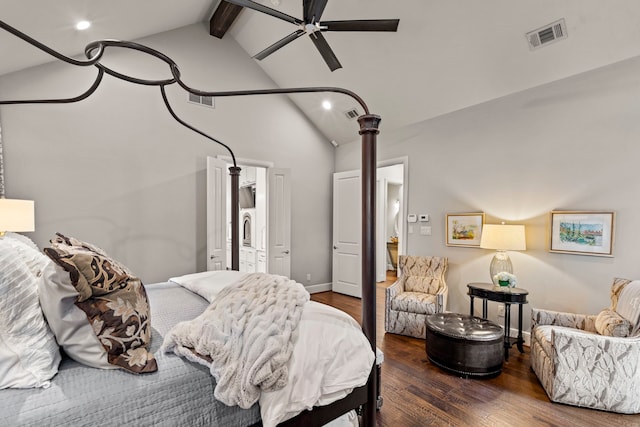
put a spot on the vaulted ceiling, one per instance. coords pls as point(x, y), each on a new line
point(446, 55)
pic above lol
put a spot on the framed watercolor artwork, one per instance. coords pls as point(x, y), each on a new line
point(464, 229)
point(582, 232)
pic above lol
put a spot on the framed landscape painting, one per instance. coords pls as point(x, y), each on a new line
point(582, 232)
point(464, 229)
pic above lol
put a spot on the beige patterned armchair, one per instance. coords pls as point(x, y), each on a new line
point(591, 360)
point(420, 290)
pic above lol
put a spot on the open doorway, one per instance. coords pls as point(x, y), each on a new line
point(252, 220)
point(264, 217)
point(347, 231)
point(389, 227)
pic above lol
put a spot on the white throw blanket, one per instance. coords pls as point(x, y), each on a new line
point(245, 336)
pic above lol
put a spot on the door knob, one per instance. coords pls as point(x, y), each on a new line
point(286, 252)
point(335, 247)
point(213, 257)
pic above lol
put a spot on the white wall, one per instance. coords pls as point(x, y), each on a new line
point(571, 144)
point(118, 171)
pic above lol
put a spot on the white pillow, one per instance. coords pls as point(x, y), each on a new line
point(29, 252)
point(208, 284)
point(29, 354)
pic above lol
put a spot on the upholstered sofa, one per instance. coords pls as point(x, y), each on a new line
point(591, 360)
point(419, 291)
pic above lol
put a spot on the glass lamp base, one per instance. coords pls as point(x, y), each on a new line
point(500, 262)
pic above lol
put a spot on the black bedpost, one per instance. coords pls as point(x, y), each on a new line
point(369, 130)
point(234, 171)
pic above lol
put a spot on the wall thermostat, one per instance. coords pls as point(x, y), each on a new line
point(412, 218)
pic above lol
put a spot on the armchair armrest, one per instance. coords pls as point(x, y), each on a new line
point(596, 370)
point(389, 294)
point(584, 322)
point(395, 289)
point(609, 363)
point(441, 297)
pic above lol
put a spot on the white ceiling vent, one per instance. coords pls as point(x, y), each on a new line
point(207, 101)
point(352, 114)
point(547, 34)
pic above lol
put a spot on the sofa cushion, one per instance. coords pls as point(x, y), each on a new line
point(29, 354)
point(611, 324)
point(414, 302)
point(98, 311)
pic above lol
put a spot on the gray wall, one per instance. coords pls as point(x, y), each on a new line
point(572, 144)
point(118, 171)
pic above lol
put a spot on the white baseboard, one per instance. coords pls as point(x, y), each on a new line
point(322, 287)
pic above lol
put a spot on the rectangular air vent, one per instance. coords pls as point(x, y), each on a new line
point(352, 114)
point(547, 34)
point(207, 101)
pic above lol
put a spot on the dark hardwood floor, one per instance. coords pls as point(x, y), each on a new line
point(417, 393)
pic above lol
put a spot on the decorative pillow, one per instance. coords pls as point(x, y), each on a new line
point(29, 354)
point(429, 285)
point(610, 323)
point(98, 311)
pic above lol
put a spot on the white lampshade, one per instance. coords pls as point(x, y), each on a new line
point(17, 215)
point(503, 237)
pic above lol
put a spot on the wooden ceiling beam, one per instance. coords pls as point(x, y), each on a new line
point(222, 18)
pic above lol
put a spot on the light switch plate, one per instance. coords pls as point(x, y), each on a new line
point(425, 230)
point(412, 218)
point(423, 218)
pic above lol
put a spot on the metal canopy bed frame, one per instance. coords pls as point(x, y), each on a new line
point(365, 396)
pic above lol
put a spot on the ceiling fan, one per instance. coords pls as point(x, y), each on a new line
point(311, 24)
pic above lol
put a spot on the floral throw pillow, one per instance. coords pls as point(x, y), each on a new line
point(113, 301)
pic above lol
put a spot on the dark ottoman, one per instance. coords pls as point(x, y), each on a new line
point(464, 344)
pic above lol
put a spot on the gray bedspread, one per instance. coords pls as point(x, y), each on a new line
point(180, 393)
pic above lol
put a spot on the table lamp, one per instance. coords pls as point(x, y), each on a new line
point(16, 215)
point(502, 238)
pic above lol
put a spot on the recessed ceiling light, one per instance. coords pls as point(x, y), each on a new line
point(83, 25)
point(326, 105)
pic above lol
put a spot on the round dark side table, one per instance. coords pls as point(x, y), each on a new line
point(508, 296)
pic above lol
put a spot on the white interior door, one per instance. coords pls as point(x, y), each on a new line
point(279, 219)
point(216, 214)
point(347, 233)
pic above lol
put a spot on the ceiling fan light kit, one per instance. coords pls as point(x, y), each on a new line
point(314, 27)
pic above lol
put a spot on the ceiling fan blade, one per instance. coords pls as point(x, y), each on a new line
point(277, 45)
point(264, 9)
point(317, 7)
point(324, 49)
point(361, 25)
point(307, 9)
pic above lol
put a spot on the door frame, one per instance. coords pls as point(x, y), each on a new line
point(269, 166)
point(381, 249)
point(381, 243)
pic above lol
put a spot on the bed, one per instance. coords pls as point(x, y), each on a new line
point(330, 356)
point(155, 399)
